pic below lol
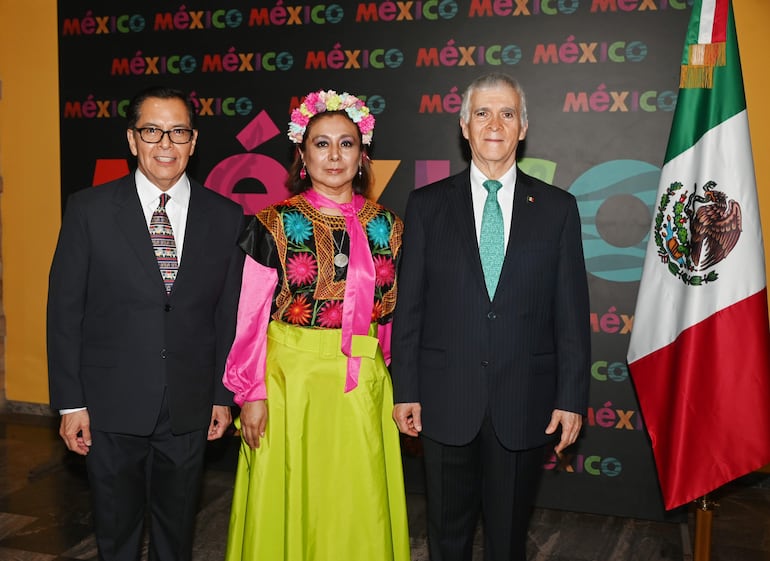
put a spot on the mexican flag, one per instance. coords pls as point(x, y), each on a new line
point(700, 350)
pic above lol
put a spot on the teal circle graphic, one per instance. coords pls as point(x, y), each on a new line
point(615, 226)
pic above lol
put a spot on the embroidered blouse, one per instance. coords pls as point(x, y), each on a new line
point(292, 278)
point(300, 243)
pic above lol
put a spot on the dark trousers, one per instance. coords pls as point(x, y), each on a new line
point(479, 477)
point(131, 475)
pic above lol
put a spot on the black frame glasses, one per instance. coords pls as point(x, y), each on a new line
point(175, 135)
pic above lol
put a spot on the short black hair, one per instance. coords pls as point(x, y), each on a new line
point(132, 113)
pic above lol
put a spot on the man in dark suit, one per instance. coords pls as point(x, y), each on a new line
point(139, 327)
point(491, 332)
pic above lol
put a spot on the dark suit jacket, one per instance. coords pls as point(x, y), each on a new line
point(519, 356)
point(116, 341)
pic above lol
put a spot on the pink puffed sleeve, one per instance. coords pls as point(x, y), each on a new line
point(383, 334)
point(246, 363)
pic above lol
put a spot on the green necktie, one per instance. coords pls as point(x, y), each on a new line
point(492, 238)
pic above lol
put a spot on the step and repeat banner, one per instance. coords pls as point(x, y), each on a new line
point(601, 79)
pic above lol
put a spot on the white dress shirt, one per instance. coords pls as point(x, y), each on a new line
point(504, 198)
point(176, 207)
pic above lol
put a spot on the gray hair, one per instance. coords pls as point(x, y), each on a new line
point(488, 81)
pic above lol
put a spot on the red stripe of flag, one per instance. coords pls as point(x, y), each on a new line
point(719, 32)
point(704, 401)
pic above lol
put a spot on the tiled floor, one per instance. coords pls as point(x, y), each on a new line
point(45, 513)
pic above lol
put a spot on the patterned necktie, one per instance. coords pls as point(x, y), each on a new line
point(492, 238)
point(162, 237)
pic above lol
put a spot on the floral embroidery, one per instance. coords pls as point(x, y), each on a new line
point(299, 311)
point(297, 227)
point(330, 315)
point(378, 231)
point(310, 288)
point(377, 310)
point(301, 269)
point(384, 270)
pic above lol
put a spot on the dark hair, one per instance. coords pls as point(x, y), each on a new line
point(361, 184)
point(132, 112)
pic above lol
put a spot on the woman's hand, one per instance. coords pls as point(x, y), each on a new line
point(253, 422)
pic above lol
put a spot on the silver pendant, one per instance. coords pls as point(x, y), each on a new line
point(341, 260)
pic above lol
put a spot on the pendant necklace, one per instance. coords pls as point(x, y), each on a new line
point(340, 259)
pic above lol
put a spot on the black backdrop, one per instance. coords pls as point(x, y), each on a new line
point(600, 77)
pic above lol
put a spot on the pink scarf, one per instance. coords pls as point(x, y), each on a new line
point(359, 285)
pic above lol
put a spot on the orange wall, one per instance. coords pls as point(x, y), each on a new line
point(751, 19)
point(29, 164)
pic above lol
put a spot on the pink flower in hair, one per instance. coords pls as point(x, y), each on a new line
point(329, 100)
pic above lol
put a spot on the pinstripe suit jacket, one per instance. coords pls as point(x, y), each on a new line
point(519, 356)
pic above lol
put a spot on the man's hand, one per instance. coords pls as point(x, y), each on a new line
point(570, 427)
point(253, 422)
point(75, 430)
point(408, 417)
point(221, 417)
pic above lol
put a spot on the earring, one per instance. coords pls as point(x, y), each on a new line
point(359, 171)
point(303, 172)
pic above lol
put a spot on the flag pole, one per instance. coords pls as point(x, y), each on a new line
point(704, 515)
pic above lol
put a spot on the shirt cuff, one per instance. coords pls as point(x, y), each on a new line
point(74, 410)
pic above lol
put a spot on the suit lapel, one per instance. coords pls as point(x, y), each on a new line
point(520, 219)
point(130, 219)
point(461, 203)
point(195, 235)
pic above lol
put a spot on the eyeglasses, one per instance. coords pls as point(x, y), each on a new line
point(153, 135)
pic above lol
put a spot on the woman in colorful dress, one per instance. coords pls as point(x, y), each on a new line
point(319, 471)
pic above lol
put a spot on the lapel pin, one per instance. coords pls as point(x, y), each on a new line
point(530, 199)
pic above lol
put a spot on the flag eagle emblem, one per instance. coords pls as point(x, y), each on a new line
point(695, 232)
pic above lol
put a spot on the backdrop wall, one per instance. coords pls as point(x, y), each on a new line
point(608, 157)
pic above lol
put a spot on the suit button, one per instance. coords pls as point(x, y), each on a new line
point(492, 315)
point(163, 353)
point(167, 308)
point(484, 363)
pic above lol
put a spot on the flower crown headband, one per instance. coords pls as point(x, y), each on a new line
point(329, 100)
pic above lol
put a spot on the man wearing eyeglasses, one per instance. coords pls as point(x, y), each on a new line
point(142, 301)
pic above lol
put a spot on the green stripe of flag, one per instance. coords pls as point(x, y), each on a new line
point(699, 110)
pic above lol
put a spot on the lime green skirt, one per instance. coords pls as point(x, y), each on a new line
point(326, 483)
